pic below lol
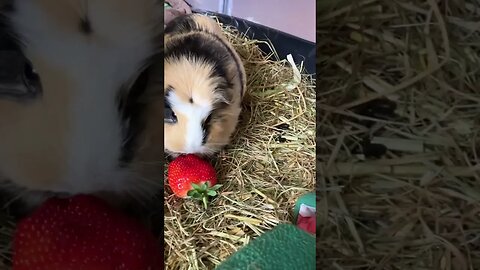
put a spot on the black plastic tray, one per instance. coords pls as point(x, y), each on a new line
point(284, 43)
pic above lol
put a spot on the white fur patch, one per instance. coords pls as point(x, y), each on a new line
point(196, 114)
point(97, 65)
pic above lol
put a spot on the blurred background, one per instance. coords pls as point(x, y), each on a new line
point(294, 17)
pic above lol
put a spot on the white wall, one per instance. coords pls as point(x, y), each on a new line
point(296, 17)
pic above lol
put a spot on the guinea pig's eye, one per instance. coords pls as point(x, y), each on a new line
point(18, 80)
point(169, 115)
point(207, 121)
point(206, 128)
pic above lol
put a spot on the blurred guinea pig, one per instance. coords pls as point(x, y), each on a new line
point(204, 80)
point(73, 113)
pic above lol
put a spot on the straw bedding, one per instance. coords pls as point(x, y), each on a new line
point(398, 135)
point(270, 163)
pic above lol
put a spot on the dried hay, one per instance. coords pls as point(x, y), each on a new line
point(399, 79)
point(267, 167)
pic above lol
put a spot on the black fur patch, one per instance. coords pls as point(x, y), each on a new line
point(196, 45)
point(237, 64)
point(8, 39)
point(181, 24)
point(214, 116)
point(131, 110)
point(7, 6)
point(206, 128)
point(131, 105)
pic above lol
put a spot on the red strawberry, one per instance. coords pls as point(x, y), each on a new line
point(193, 177)
point(83, 232)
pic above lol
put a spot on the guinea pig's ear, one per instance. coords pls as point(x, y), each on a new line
point(18, 80)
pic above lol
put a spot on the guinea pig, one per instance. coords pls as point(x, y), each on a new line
point(72, 114)
point(204, 84)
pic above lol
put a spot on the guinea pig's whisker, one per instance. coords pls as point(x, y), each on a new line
point(137, 197)
point(12, 189)
point(156, 163)
point(140, 192)
point(125, 141)
point(18, 196)
point(169, 155)
point(152, 182)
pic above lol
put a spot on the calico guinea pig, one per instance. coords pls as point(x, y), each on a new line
point(72, 117)
point(204, 84)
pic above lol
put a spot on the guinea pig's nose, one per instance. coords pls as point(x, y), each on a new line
point(169, 116)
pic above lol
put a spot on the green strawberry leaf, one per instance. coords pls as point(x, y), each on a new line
point(195, 186)
point(203, 191)
point(194, 194)
point(216, 187)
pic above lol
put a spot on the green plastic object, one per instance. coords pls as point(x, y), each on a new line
point(284, 247)
point(308, 199)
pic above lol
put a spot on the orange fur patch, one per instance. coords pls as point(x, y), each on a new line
point(190, 79)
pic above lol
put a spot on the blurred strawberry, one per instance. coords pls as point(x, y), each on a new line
point(83, 232)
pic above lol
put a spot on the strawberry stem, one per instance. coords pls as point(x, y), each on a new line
point(205, 202)
point(203, 191)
